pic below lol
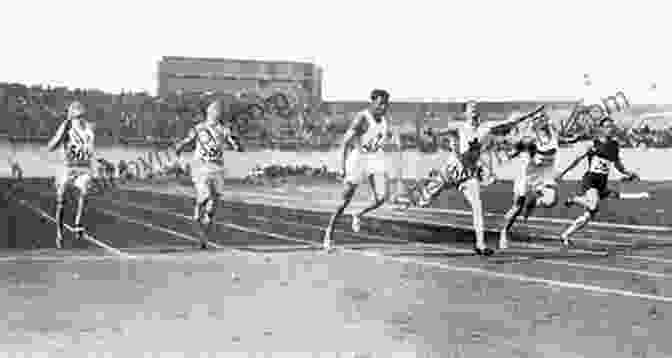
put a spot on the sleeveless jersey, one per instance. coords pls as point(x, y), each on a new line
point(542, 151)
point(471, 138)
point(374, 136)
point(79, 146)
point(454, 172)
point(210, 141)
point(602, 156)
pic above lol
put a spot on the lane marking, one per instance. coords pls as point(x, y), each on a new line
point(57, 259)
point(459, 250)
point(522, 278)
point(442, 247)
point(600, 224)
point(485, 272)
point(225, 224)
point(88, 237)
point(608, 268)
point(157, 228)
point(395, 215)
point(459, 226)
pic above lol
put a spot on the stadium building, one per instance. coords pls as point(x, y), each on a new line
point(232, 75)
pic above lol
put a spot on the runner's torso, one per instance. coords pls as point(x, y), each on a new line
point(79, 146)
point(542, 151)
point(602, 156)
point(374, 134)
point(210, 142)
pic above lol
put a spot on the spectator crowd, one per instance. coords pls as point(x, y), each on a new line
point(263, 118)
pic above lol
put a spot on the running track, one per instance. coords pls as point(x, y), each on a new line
point(626, 294)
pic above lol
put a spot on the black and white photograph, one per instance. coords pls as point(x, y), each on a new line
point(335, 179)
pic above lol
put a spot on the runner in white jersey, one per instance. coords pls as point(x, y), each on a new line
point(464, 171)
point(535, 186)
point(363, 160)
point(76, 137)
point(208, 171)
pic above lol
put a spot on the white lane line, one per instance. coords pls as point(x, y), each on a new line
point(411, 220)
point(439, 247)
point(465, 213)
point(658, 260)
point(396, 215)
point(600, 224)
point(229, 225)
point(523, 278)
point(463, 227)
point(607, 268)
point(58, 259)
point(458, 250)
point(476, 270)
point(86, 235)
point(157, 228)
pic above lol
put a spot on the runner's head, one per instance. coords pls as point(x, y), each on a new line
point(471, 113)
point(608, 126)
point(76, 111)
point(219, 110)
point(542, 123)
point(380, 101)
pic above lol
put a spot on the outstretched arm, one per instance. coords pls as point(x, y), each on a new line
point(515, 120)
point(59, 137)
point(572, 165)
point(450, 128)
point(189, 139)
point(621, 168)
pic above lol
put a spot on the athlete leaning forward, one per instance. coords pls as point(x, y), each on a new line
point(602, 155)
point(212, 137)
point(464, 167)
point(363, 160)
point(535, 186)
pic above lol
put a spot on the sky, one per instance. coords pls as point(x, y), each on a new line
point(418, 50)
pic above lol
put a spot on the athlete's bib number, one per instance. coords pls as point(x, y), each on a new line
point(77, 149)
point(374, 144)
point(600, 165)
point(77, 153)
point(210, 150)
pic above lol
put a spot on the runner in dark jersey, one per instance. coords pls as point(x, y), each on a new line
point(602, 155)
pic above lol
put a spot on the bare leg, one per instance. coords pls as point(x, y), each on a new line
point(380, 190)
point(199, 211)
point(590, 203)
point(348, 194)
point(510, 217)
point(60, 201)
point(208, 216)
point(578, 224)
point(81, 201)
point(472, 193)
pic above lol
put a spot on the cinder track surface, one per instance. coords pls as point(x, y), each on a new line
point(406, 283)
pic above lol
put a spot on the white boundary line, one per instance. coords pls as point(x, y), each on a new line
point(421, 221)
point(458, 226)
point(458, 250)
point(157, 228)
point(396, 217)
point(86, 235)
point(185, 236)
point(57, 259)
point(600, 224)
point(379, 214)
point(229, 225)
point(473, 270)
